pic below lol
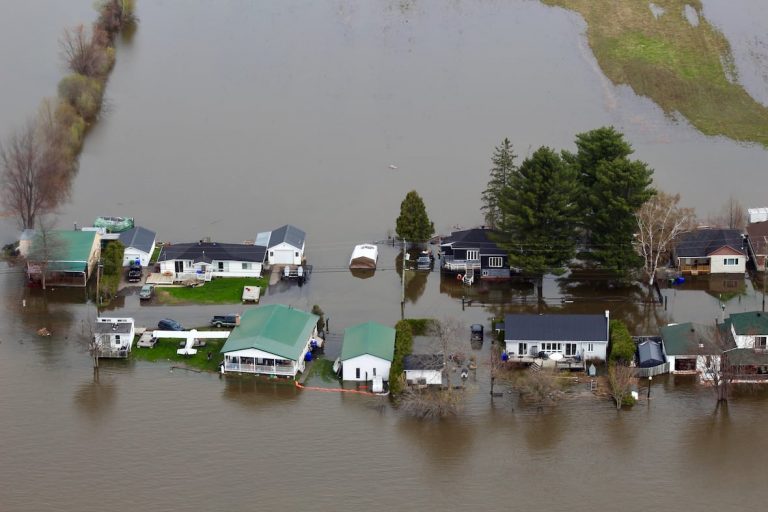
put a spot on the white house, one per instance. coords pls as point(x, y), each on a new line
point(711, 251)
point(749, 330)
point(423, 369)
point(693, 348)
point(285, 245)
point(139, 245)
point(582, 336)
point(205, 260)
point(271, 340)
point(114, 336)
point(367, 352)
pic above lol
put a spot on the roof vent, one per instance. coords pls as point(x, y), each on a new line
point(701, 345)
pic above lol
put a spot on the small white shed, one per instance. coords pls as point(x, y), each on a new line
point(367, 352)
point(285, 245)
point(139, 244)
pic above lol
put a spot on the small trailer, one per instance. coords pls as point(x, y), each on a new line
point(251, 294)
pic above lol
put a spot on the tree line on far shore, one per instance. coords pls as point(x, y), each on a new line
point(39, 160)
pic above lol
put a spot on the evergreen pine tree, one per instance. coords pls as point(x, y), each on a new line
point(503, 160)
point(413, 224)
point(539, 213)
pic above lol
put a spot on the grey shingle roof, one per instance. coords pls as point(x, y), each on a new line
point(138, 238)
point(703, 242)
point(476, 238)
point(208, 251)
point(526, 327)
point(288, 234)
point(423, 362)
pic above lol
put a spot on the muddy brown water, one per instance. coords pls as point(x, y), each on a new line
point(229, 118)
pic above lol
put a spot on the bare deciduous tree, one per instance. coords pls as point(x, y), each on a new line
point(659, 221)
point(448, 400)
point(46, 247)
point(732, 215)
point(84, 53)
point(31, 178)
point(620, 377)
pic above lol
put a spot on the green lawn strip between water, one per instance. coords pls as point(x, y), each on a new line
point(225, 290)
point(165, 351)
point(682, 67)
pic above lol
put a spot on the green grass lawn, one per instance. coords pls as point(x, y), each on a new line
point(155, 254)
point(684, 68)
point(225, 290)
point(165, 351)
point(321, 369)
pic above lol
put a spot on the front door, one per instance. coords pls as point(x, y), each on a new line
point(178, 266)
point(522, 348)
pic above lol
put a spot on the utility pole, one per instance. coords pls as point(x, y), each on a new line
point(402, 293)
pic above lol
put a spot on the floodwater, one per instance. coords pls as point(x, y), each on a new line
point(230, 118)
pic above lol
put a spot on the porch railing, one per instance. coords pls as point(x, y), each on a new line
point(259, 368)
point(108, 352)
point(698, 269)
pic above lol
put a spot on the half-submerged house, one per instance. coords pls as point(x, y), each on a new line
point(367, 352)
point(711, 251)
point(572, 336)
point(285, 245)
point(113, 336)
point(139, 245)
point(206, 260)
point(749, 329)
point(692, 348)
point(271, 340)
point(423, 369)
point(63, 258)
point(474, 251)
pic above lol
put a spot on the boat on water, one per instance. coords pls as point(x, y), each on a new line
point(114, 224)
point(364, 256)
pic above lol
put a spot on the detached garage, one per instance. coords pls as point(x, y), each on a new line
point(139, 244)
point(285, 245)
point(367, 352)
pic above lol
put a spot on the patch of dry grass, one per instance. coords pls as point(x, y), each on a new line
point(683, 68)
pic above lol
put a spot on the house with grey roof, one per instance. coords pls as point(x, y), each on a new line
point(271, 340)
point(285, 245)
point(113, 336)
point(206, 260)
point(711, 251)
point(423, 369)
point(139, 245)
point(572, 336)
point(367, 352)
point(757, 242)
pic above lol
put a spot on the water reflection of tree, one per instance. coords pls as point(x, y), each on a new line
point(588, 291)
point(95, 398)
point(446, 442)
point(415, 280)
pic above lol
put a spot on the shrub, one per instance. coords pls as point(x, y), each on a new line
point(83, 93)
point(622, 347)
point(403, 347)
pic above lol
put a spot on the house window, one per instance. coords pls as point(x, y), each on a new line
point(551, 348)
point(570, 349)
point(731, 261)
point(374, 371)
point(297, 254)
point(495, 261)
point(221, 266)
point(271, 254)
point(117, 338)
point(761, 341)
point(246, 266)
point(357, 373)
point(473, 254)
point(522, 348)
point(590, 347)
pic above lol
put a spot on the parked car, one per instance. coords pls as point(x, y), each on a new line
point(225, 320)
point(166, 324)
point(146, 292)
point(134, 274)
point(476, 331)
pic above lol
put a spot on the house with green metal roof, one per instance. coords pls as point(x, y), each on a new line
point(749, 329)
point(367, 352)
point(271, 340)
point(63, 258)
point(692, 348)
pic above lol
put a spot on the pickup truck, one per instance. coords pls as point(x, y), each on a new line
point(134, 274)
point(225, 320)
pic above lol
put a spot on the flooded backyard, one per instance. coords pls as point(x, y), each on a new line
point(229, 118)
